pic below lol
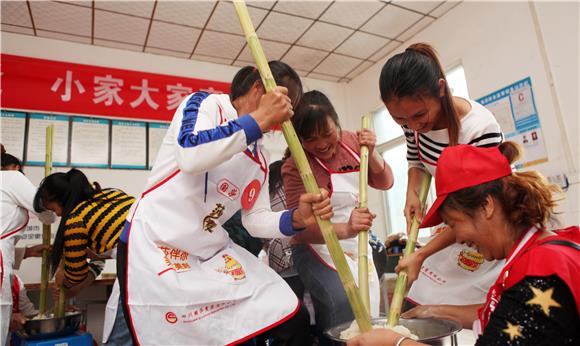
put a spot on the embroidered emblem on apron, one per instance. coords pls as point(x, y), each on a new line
point(228, 189)
point(232, 267)
point(469, 260)
point(208, 223)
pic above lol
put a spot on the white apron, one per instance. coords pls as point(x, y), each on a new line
point(111, 311)
point(344, 198)
point(217, 293)
point(8, 242)
point(456, 275)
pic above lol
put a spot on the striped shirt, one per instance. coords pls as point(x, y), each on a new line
point(478, 127)
point(97, 224)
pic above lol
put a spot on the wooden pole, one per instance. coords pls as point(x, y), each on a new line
point(363, 237)
point(45, 266)
point(401, 285)
point(59, 312)
point(299, 156)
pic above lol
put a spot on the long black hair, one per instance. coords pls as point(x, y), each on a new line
point(9, 160)
point(414, 73)
point(67, 189)
point(311, 116)
point(283, 74)
point(275, 177)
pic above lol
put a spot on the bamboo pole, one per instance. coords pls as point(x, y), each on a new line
point(363, 237)
point(295, 147)
point(46, 229)
point(59, 311)
point(401, 285)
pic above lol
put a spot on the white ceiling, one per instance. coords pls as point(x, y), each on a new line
point(329, 40)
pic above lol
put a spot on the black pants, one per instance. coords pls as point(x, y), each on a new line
point(294, 332)
point(122, 276)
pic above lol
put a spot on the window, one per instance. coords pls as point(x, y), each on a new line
point(457, 82)
point(391, 145)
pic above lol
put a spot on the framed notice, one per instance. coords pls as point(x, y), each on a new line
point(90, 142)
point(13, 125)
point(128, 144)
point(36, 148)
point(157, 132)
point(515, 110)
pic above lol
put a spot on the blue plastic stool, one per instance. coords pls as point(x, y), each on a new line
point(76, 339)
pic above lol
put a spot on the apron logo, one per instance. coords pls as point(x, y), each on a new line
point(208, 222)
point(232, 268)
point(250, 194)
point(228, 189)
point(171, 317)
point(469, 260)
point(175, 259)
point(204, 311)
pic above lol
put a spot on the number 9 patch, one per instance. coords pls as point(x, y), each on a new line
point(250, 194)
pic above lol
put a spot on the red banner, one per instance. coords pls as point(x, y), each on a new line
point(62, 87)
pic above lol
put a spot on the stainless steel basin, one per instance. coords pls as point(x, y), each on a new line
point(51, 327)
point(430, 331)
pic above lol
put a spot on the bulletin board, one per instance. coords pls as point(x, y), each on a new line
point(84, 142)
point(12, 130)
point(515, 109)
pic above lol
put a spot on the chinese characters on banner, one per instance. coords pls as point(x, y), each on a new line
point(59, 87)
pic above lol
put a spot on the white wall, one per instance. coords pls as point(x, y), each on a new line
point(495, 41)
point(50, 49)
point(497, 44)
point(133, 181)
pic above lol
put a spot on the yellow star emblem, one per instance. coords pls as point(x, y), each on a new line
point(543, 299)
point(513, 330)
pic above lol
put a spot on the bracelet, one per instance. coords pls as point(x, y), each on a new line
point(400, 341)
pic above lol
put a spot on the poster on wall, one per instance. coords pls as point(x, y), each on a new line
point(157, 132)
point(515, 110)
point(128, 144)
point(13, 125)
point(36, 147)
point(90, 142)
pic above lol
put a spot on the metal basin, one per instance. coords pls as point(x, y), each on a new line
point(430, 331)
point(51, 327)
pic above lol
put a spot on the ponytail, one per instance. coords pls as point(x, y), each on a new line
point(68, 190)
point(526, 198)
point(416, 73)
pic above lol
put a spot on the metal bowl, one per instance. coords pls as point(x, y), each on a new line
point(51, 327)
point(430, 331)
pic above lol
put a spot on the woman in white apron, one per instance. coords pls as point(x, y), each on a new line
point(182, 279)
point(536, 298)
point(415, 92)
point(16, 200)
point(335, 162)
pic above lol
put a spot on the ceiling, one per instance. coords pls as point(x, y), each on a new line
point(328, 40)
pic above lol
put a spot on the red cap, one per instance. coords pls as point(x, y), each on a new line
point(463, 166)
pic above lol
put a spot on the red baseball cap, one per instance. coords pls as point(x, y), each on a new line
point(463, 166)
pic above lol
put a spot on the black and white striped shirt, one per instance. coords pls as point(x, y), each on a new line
point(478, 127)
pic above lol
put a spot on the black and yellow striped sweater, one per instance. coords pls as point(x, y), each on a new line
point(96, 224)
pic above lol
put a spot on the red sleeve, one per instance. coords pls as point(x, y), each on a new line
point(376, 180)
point(292, 183)
point(550, 259)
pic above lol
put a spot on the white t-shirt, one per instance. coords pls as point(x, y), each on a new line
point(456, 274)
point(478, 127)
